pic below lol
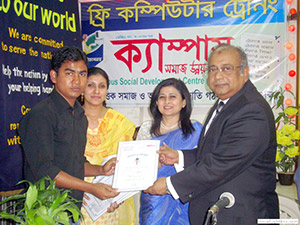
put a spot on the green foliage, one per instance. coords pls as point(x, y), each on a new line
point(286, 133)
point(278, 98)
point(42, 205)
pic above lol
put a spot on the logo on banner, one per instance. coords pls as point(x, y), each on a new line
point(92, 45)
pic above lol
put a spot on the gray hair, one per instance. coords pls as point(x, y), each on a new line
point(241, 52)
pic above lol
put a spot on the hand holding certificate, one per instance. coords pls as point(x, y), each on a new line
point(97, 207)
point(136, 167)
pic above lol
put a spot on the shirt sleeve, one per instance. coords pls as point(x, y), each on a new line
point(180, 165)
point(171, 188)
point(37, 137)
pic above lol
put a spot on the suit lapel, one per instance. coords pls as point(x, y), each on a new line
point(248, 85)
point(202, 136)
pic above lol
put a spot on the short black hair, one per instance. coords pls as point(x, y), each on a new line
point(67, 53)
point(185, 113)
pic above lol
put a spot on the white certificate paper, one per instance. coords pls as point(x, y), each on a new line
point(97, 207)
point(137, 165)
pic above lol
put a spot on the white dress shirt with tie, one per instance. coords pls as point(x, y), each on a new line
point(180, 165)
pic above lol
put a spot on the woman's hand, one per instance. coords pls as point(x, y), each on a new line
point(109, 167)
point(113, 206)
point(85, 197)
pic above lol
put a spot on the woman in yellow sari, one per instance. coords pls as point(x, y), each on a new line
point(106, 128)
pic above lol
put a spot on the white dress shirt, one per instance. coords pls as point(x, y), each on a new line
point(180, 165)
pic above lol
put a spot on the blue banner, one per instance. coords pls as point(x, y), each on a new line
point(155, 14)
point(30, 31)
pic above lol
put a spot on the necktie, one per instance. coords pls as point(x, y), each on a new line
point(219, 108)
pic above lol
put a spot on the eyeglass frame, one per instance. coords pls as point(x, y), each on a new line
point(222, 69)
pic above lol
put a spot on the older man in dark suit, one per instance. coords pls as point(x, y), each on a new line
point(235, 153)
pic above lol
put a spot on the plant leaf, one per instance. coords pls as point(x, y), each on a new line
point(5, 215)
point(30, 214)
point(57, 202)
point(44, 220)
point(33, 206)
point(31, 196)
point(63, 218)
point(61, 208)
point(75, 212)
point(42, 210)
point(11, 198)
point(41, 184)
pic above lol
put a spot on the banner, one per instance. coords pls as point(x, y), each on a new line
point(30, 31)
point(140, 43)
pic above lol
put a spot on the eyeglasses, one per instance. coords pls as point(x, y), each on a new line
point(226, 69)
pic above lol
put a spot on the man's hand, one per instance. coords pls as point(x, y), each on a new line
point(168, 155)
point(100, 190)
point(109, 167)
point(158, 188)
point(103, 191)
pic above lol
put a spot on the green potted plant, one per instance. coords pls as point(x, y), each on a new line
point(287, 135)
point(42, 204)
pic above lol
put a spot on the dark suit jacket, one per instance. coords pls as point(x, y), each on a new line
point(236, 155)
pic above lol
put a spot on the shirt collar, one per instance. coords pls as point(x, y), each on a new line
point(62, 105)
point(225, 101)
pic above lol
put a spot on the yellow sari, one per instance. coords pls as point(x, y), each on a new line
point(102, 142)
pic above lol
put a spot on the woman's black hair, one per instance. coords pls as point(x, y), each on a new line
point(185, 113)
point(96, 71)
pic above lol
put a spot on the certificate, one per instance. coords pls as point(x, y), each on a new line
point(97, 207)
point(137, 165)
